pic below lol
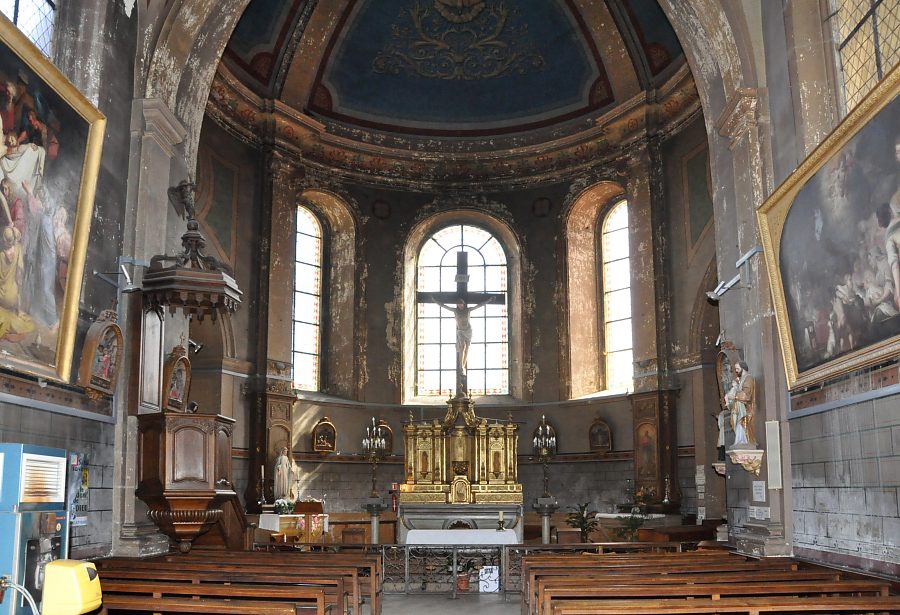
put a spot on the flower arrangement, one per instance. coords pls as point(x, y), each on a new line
point(283, 506)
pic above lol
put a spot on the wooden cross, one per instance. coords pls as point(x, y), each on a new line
point(451, 298)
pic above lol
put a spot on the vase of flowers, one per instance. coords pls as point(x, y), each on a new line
point(283, 506)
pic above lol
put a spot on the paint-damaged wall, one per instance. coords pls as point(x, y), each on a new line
point(95, 49)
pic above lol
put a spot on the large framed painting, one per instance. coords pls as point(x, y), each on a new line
point(49, 159)
point(831, 238)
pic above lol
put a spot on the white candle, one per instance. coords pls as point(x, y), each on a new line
point(500, 516)
point(262, 472)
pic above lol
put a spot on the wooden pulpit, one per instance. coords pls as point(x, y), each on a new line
point(184, 477)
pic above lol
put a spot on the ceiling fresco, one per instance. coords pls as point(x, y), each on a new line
point(260, 42)
point(454, 70)
point(656, 37)
point(470, 66)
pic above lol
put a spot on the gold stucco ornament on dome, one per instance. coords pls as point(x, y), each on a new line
point(198, 284)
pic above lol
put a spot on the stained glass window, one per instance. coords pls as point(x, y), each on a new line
point(307, 301)
point(617, 299)
point(34, 18)
point(868, 39)
point(488, 358)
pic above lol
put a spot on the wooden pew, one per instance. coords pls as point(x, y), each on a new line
point(369, 565)
point(302, 597)
point(577, 589)
point(691, 563)
point(160, 606)
point(336, 587)
point(576, 565)
point(750, 606)
point(593, 580)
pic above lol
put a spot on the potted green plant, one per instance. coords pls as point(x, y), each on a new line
point(464, 569)
point(583, 519)
point(630, 525)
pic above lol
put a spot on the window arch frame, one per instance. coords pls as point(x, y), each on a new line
point(340, 356)
point(511, 245)
point(583, 366)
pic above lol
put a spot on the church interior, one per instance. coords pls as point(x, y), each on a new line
point(331, 278)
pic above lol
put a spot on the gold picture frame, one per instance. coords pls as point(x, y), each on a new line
point(324, 436)
point(826, 234)
point(49, 159)
point(600, 437)
point(101, 357)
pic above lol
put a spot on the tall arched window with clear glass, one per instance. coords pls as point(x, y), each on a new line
point(306, 339)
point(616, 275)
point(487, 369)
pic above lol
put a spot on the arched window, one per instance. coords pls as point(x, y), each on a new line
point(616, 284)
point(436, 335)
point(867, 33)
point(35, 18)
point(307, 301)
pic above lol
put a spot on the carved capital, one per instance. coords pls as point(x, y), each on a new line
point(739, 116)
point(154, 118)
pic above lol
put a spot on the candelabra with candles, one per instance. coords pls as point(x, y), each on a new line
point(374, 448)
point(544, 442)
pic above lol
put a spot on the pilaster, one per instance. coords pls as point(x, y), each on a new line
point(756, 526)
point(155, 135)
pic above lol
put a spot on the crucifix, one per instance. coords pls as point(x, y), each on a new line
point(458, 303)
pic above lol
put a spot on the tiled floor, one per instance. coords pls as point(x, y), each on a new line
point(485, 604)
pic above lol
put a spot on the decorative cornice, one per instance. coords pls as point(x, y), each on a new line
point(738, 116)
point(158, 122)
point(379, 157)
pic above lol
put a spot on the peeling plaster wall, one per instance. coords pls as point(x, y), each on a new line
point(95, 49)
point(228, 195)
point(382, 243)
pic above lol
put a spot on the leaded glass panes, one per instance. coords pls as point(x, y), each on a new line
point(35, 18)
point(488, 359)
point(614, 252)
point(868, 34)
point(306, 338)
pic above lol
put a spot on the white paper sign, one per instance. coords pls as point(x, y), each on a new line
point(759, 491)
point(700, 477)
point(701, 514)
point(489, 579)
point(759, 512)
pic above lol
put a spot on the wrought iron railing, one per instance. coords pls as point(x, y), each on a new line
point(436, 569)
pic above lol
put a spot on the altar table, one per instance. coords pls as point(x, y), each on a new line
point(461, 537)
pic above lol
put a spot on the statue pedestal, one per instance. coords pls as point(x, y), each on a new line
point(374, 506)
point(545, 507)
point(450, 516)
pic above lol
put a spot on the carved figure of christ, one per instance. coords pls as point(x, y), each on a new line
point(459, 304)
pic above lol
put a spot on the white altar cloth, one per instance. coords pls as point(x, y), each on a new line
point(461, 537)
point(268, 521)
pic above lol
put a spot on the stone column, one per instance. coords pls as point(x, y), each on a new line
point(749, 314)
point(653, 403)
point(155, 133)
point(271, 427)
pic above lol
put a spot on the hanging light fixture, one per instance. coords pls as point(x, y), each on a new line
point(198, 284)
